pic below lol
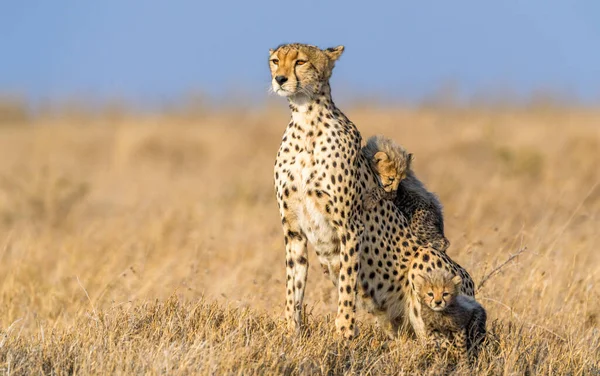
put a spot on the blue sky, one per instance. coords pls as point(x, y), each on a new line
point(155, 51)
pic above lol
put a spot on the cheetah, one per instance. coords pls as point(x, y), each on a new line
point(320, 177)
point(446, 314)
point(392, 164)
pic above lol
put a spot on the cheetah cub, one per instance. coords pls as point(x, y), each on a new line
point(391, 163)
point(448, 315)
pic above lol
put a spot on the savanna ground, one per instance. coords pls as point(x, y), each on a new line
point(151, 244)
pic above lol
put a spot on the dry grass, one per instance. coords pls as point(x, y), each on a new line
point(152, 244)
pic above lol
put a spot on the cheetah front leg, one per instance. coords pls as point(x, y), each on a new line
point(460, 341)
point(414, 315)
point(296, 256)
point(440, 340)
point(349, 265)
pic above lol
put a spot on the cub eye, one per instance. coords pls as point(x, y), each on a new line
point(430, 294)
point(300, 62)
point(275, 61)
point(446, 293)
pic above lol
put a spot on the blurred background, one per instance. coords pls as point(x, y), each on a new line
point(137, 140)
point(155, 53)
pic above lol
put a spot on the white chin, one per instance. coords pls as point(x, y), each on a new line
point(437, 309)
point(283, 93)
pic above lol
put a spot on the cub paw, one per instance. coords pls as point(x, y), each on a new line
point(440, 244)
point(370, 200)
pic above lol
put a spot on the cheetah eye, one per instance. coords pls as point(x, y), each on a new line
point(275, 61)
point(300, 62)
point(430, 294)
point(446, 294)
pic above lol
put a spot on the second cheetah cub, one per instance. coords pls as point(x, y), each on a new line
point(448, 315)
point(391, 163)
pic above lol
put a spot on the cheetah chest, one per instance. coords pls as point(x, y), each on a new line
point(310, 211)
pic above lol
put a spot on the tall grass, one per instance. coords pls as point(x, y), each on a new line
point(152, 243)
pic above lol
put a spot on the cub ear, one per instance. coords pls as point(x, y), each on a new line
point(410, 158)
point(380, 157)
point(271, 51)
point(456, 280)
point(334, 53)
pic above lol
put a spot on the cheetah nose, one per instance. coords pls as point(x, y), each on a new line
point(438, 302)
point(281, 79)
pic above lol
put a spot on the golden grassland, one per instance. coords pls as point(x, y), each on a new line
point(151, 244)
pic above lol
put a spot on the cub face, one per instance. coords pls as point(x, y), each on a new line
point(389, 172)
point(437, 291)
point(300, 69)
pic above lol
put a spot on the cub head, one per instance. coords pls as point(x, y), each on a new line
point(390, 171)
point(437, 289)
point(301, 69)
point(390, 162)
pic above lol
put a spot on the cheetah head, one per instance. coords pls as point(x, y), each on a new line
point(300, 69)
point(390, 171)
point(437, 289)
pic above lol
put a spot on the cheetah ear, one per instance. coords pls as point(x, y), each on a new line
point(409, 161)
point(334, 53)
point(271, 51)
point(380, 157)
point(456, 280)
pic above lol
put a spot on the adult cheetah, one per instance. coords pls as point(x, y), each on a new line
point(320, 176)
